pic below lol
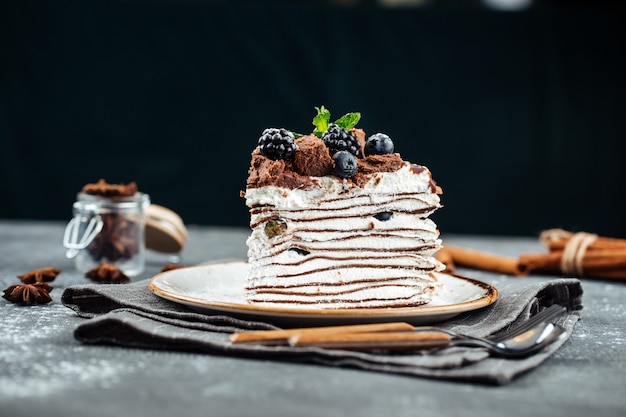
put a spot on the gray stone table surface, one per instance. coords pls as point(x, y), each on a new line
point(45, 371)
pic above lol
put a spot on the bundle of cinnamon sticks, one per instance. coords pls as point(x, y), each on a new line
point(581, 254)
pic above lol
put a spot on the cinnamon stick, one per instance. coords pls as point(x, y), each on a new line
point(617, 275)
point(445, 257)
point(601, 243)
point(580, 254)
point(574, 254)
point(609, 264)
point(540, 262)
point(483, 260)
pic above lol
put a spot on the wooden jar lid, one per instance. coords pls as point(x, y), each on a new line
point(165, 230)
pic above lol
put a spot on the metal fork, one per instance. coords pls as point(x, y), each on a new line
point(547, 315)
point(518, 341)
point(531, 336)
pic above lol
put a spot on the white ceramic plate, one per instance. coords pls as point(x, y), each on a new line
point(219, 288)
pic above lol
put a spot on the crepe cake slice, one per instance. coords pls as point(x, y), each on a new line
point(339, 221)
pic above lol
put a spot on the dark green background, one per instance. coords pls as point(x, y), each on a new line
point(520, 116)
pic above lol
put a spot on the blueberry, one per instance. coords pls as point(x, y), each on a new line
point(378, 144)
point(300, 251)
point(383, 216)
point(345, 164)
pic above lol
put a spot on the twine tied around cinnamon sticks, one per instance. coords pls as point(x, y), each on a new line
point(580, 254)
point(573, 256)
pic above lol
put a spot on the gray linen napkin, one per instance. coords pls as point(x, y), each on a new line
point(130, 315)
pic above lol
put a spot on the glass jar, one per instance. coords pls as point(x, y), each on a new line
point(108, 229)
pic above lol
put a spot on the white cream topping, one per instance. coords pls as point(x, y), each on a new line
point(380, 186)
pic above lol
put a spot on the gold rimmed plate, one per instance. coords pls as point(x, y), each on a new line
point(218, 288)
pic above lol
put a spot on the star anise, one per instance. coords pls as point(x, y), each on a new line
point(27, 294)
point(107, 273)
point(116, 240)
point(170, 266)
point(104, 189)
point(47, 274)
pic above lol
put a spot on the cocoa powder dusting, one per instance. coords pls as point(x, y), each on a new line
point(360, 137)
point(418, 169)
point(380, 163)
point(264, 172)
point(312, 159)
point(376, 163)
point(436, 189)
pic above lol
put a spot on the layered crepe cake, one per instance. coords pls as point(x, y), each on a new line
point(332, 230)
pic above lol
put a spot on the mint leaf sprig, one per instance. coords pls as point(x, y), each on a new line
point(322, 119)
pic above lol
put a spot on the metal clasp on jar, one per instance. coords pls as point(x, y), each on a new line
point(80, 232)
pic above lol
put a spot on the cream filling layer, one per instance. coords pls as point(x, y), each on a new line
point(339, 275)
point(366, 298)
point(354, 207)
point(292, 264)
point(356, 246)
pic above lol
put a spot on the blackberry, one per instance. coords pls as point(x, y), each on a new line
point(345, 164)
point(339, 139)
point(378, 144)
point(277, 143)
